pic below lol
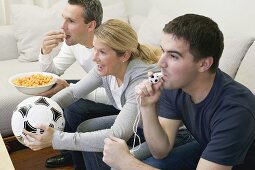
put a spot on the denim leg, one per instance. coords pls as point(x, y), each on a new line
point(183, 136)
point(83, 110)
point(184, 157)
point(94, 161)
point(94, 124)
point(80, 111)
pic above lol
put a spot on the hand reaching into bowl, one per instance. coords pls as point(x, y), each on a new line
point(60, 84)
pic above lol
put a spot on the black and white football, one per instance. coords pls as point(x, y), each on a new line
point(35, 111)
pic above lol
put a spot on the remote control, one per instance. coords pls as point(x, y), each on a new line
point(155, 77)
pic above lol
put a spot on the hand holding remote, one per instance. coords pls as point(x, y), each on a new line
point(155, 77)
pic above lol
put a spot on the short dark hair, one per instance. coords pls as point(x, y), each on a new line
point(202, 34)
point(92, 10)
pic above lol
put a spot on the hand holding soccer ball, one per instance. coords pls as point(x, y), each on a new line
point(39, 141)
point(35, 115)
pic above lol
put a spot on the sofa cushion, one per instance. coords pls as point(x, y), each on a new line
point(246, 71)
point(31, 23)
point(117, 11)
point(151, 29)
point(136, 21)
point(8, 43)
point(233, 53)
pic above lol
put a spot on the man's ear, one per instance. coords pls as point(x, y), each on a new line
point(205, 64)
point(92, 25)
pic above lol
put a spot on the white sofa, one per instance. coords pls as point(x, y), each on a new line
point(238, 59)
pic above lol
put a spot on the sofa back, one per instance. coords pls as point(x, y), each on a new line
point(233, 17)
point(246, 71)
point(8, 43)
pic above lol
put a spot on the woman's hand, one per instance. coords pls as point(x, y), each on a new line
point(60, 84)
point(39, 141)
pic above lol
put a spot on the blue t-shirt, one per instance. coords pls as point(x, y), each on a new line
point(223, 123)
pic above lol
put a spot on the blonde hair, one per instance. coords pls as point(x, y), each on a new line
point(120, 36)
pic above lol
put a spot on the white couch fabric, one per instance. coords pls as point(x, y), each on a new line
point(31, 23)
point(238, 59)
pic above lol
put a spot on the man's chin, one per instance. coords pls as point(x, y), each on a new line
point(70, 43)
point(169, 86)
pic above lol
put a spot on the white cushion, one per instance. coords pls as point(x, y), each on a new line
point(151, 29)
point(246, 71)
point(233, 53)
point(31, 23)
point(8, 43)
point(136, 21)
point(115, 11)
point(233, 17)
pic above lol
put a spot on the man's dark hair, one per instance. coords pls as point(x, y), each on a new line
point(92, 10)
point(201, 33)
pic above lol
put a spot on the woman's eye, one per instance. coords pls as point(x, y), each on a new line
point(71, 21)
point(102, 52)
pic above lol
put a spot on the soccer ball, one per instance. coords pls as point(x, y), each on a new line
point(35, 111)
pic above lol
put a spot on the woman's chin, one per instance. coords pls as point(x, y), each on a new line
point(101, 73)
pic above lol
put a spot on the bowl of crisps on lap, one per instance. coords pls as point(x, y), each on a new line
point(33, 83)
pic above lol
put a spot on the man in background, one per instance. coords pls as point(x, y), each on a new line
point(81, 18)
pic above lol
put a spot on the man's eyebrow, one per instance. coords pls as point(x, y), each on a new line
point(171, 51)
point(175, 52)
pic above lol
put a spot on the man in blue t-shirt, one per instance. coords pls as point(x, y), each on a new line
point(218, 111)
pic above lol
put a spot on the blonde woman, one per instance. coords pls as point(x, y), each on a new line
point(121, 64)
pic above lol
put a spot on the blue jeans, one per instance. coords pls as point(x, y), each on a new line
point(79, 112)
point(93, 160)
point(184, 156)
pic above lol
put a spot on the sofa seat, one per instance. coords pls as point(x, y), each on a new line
point(9, 96)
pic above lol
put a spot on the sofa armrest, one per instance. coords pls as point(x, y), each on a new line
point(245, 73)
point(8, 43)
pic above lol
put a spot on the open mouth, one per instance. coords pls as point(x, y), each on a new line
point(67, 37)
point(99, 67)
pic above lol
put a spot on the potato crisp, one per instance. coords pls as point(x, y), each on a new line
point(34, 80)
